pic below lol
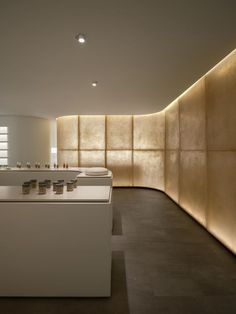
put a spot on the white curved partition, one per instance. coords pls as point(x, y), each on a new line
point(187, 150)
point(28, 139)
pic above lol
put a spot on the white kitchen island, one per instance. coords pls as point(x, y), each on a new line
point(56, 245)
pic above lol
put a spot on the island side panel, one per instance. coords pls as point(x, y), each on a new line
point(55, 249)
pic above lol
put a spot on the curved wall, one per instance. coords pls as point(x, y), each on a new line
point(28, 139)
point(187, 150)
point(131, 146)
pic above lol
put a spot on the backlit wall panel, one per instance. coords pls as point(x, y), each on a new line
point(149, 131)
point(91, 132)
point(172, 174)
point(193, 118)
point(68, 156)
point(192, 184)
point(92, 158)
point(172, 126)
point(221, 104)
point(193, 155)
point(221, 138)
point(149, 169)
point(119, 132)
point(188, 149)
point(221, 196)
point(120, 163)
point(67, 132)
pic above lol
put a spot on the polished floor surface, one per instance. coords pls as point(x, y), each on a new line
point(163, 263)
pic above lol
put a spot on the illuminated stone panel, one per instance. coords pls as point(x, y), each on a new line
point(193, 184)
point(222, 197)
point(119, 132)
point(68, 156)
point(172, 174)
point(92, 158)
point(221, 108)
point(120, 163)
point(172, 125)
point(67, 132)
point(92, 132)
point(193, 118)
point(149, 131)
point(149, 169)
point(200, 123)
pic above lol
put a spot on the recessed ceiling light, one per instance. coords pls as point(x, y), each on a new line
point(81, 38)
point(94, 83)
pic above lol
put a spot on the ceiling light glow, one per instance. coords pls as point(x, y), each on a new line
point(81, 38)
point(94, 83)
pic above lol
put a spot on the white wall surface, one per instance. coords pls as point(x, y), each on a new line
point(28, 139)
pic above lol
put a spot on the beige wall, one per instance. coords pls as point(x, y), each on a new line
point(28, 139)
point(187, 150)
point(200, 158)
point(131, 146)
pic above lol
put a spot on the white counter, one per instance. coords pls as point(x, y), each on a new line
point(56, 246)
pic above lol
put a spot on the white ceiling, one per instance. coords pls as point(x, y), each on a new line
point(142, 53)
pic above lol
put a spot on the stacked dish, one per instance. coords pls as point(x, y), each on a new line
point(96, 171)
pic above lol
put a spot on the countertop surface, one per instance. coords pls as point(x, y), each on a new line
point(32, 169)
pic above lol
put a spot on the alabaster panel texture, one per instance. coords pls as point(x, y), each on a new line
point(193, 117)
point(92, 132)
point(68, 156)
point(172, 125)
point(222, 197)
point(193, 184)
point(120, 163)
point(149, 169)
point(67, 132)
point(172, 174)
point(119, 132)
point(188, 149)
point(92, 158)
point(149, 131)
point(221, 108)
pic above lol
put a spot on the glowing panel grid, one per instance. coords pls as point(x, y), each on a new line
point(149, 169)
point(221, 196)
point(197, 164)
point(221, 105)
point(92, 132)
point(3, 129)
point(92, 158)
point(193, 184)
point(172, 125)
point(119, 132)
point(193, 118)
point(3, 137)
point(149, 131)
point(68, 156)
point(3, 145)
point(120, 163)
point(172, 174)
point(67, 132)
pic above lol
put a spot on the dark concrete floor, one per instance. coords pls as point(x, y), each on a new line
point(163, 263)
point(173, 265)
